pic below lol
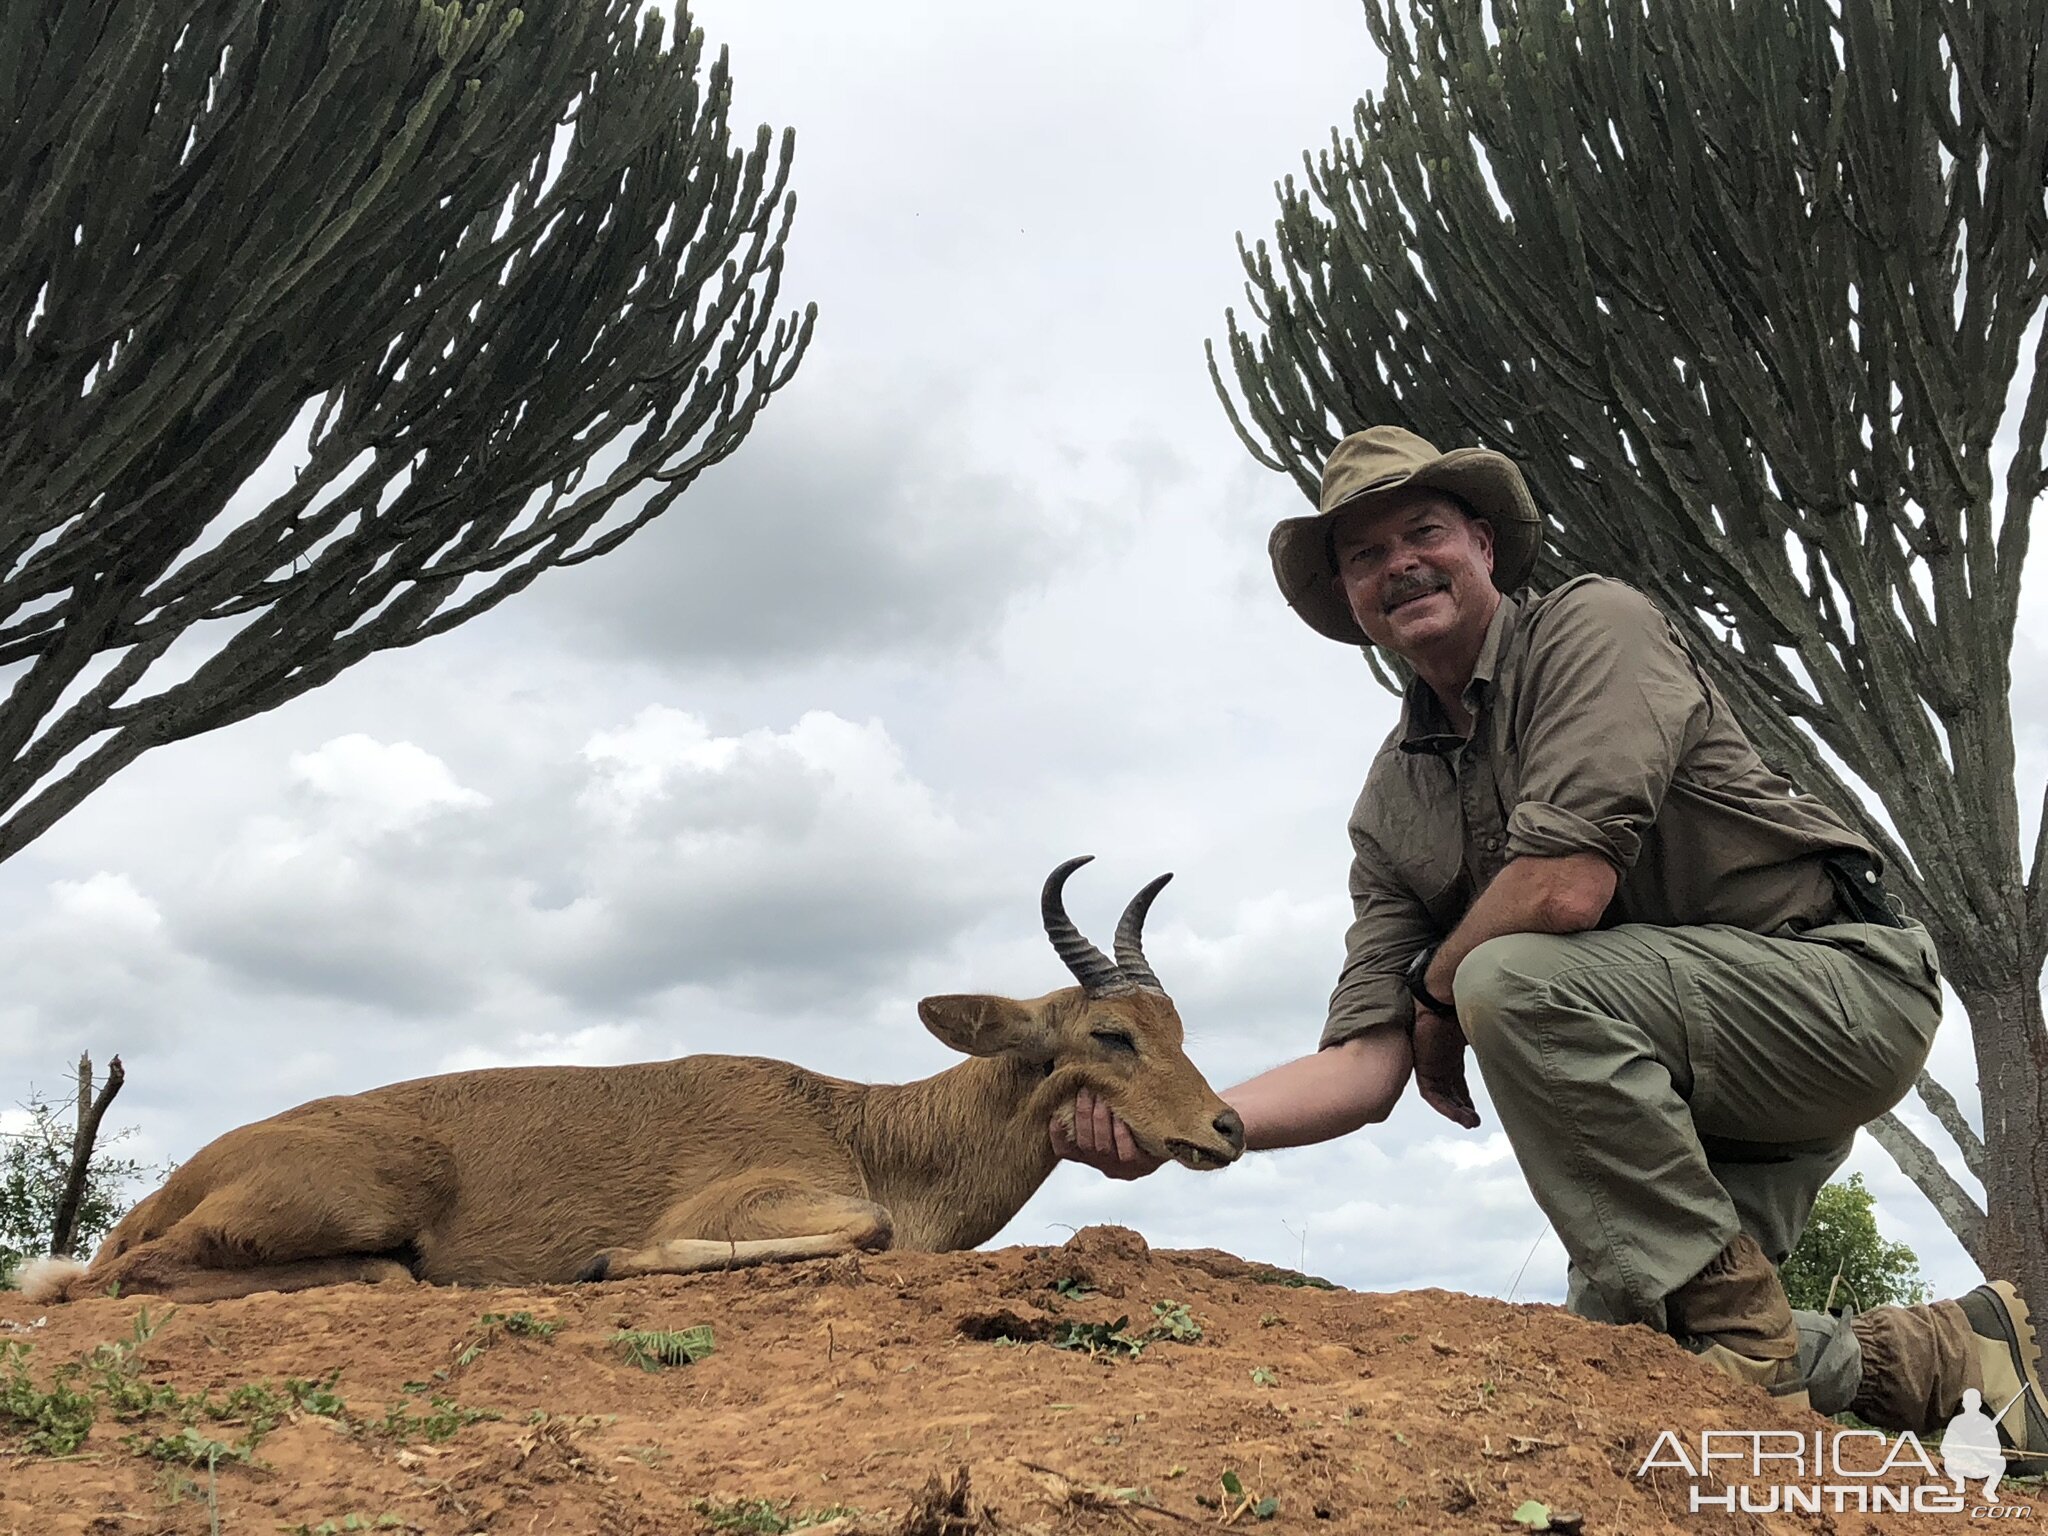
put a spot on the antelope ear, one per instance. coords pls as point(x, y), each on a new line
point(987, 1026)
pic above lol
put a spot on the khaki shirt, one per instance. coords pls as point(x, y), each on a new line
point(1594, 731)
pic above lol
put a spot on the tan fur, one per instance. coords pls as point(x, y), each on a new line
point(543, 1174)
point(46, 1279)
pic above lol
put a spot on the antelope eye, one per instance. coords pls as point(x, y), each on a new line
point(1115, 1039)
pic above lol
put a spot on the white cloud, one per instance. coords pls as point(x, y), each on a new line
point(371, 787)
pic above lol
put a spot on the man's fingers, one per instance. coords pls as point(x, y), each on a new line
point(1063, 1143)
point(1084, 1123)
point(1126, 1148)
point(1451, 1108)
point(1105, 1122)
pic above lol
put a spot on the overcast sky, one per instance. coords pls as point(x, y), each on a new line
point(985, 588)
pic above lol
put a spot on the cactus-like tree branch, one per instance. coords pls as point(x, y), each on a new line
point(498, 281)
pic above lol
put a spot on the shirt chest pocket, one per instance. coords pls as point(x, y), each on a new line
point(1424, 844)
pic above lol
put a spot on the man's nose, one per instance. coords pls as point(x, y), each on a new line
point(1401, 560)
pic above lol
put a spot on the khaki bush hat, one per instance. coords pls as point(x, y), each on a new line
point(1372, 463)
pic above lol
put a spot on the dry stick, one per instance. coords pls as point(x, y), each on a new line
point(64, 1226)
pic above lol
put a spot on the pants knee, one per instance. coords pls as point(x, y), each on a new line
point(1499, 984)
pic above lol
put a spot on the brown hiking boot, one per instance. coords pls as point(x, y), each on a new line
point(2009, 1366)
point(1918, 1361)
point(1733, 1314)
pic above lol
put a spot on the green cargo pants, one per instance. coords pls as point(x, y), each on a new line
point(1665, 1088)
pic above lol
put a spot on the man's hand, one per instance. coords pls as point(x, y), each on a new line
point(1440, 1067)
point(1101, 1140)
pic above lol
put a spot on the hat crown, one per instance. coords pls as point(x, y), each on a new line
point(1378, 457)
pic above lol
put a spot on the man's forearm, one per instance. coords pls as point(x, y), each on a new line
point(1330, 1094)
point(1564, 895)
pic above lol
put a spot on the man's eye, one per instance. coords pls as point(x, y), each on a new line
point(1115, 1040)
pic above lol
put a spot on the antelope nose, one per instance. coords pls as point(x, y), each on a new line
point(1230, 1126)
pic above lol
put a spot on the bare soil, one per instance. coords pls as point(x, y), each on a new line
point(914, 1394)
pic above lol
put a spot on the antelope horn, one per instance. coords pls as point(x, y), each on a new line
point(1130, 950)
point(1096, 972)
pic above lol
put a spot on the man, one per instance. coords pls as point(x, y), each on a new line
point(1681, 981)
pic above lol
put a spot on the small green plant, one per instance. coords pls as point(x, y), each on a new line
point(1098, 1338)
point(257, 1404)
point(1264, 1376)
point(113, 1370)
point(442, 1420)
point(190, 1448)
point(1237, 1502)
point(1171, 1323)
point(112, 1379)
point(522, 1325)
point(759, 1517)
point(53, 1420)
point(654, 1350)
point(518, 1324)
point(1073, 1287)
point(1292, 1278)
point(317, 1397)
point(1171, 1320)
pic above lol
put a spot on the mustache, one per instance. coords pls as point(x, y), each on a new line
point(1414, 586)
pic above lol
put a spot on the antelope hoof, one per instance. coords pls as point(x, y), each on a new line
point(596, 1269)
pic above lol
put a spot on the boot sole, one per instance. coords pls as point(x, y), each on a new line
point(2025, 1348)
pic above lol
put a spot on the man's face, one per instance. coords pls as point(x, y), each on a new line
point(1417, 571)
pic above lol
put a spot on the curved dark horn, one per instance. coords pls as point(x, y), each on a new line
point(1130, 949)
point(1096, 972)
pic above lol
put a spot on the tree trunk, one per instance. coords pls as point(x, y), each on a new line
point(2012, 1084)
point(91, 1110)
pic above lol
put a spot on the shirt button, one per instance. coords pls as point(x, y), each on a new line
point(1490, 844)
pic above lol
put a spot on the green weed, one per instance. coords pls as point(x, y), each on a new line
point(53, 1420)
point(654, 1349)
point(1239, 1502)
point(1171, 1323)
point(442, 1420)
point(522, 1325)
point(759, 1517)
point(1292, 1278)
point(189, 1448)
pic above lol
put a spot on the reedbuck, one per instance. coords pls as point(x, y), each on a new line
point(522, 1175)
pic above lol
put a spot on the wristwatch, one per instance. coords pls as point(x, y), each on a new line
point(1417, 977)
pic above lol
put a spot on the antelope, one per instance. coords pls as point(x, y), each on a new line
point(531, 1175)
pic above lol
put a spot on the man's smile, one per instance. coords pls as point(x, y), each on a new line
point(1410, 598)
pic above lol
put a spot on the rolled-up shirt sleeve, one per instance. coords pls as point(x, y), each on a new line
point(1388, 926)
point(1609, 706)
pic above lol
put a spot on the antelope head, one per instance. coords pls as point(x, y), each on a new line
point(1116, 1032)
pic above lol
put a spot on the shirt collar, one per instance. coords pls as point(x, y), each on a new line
point(1424, 727)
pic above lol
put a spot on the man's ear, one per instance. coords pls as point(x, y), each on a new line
point(987, 1026)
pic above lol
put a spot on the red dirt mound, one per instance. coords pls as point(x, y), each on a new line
point(1097, 1386)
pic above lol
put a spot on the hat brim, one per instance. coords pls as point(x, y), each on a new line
point(1488, 482)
